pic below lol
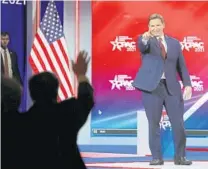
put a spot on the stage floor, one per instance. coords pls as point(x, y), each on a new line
point(125, 157)
point(145, 165)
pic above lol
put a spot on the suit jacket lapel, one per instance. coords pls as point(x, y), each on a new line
point(12, 59)
point(2, 64)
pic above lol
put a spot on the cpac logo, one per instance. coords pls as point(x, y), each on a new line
point(123, 42)
point(192, 42)
point(120, 81)
point(196, 83)
point(15, 2)
point(165, 122)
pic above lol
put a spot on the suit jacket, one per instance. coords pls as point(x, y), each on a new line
point(14, 63)
point(153, 66)
point(52, 128)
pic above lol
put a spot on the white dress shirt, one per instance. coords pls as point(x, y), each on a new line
point(165, 45)
point(9, 60)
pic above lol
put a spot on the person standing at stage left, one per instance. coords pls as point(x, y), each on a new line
point(9, 65)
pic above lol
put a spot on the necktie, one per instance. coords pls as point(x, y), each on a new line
point(6, 64)
point(162, 47)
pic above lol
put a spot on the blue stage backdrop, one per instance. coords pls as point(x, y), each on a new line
point(13, 21)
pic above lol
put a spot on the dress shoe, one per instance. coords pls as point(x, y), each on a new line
point(156, 162)
point(182, 161)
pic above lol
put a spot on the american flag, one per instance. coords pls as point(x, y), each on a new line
point(49, 51)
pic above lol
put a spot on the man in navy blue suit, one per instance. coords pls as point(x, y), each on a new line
point(162, 58)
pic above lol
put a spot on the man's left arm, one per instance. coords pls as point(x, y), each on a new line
point(85, 100)
point(182, 68)
point(15, 70)
point(184, 75)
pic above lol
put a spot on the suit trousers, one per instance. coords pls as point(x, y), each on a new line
point(153, 103)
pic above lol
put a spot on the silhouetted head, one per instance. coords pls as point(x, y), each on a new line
point(11, 92)
point(43, 87)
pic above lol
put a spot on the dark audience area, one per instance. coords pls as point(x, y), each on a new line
point(45, 136)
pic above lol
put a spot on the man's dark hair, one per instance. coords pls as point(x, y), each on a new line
point(43, 87)
point(4, 33)
point(156, 16)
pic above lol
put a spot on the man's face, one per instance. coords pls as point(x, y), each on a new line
point(156, 27)
point(4, 41)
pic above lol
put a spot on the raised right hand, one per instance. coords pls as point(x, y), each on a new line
point(146, 35)
point(80, 67)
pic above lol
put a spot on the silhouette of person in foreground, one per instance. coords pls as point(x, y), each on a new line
point(52, 127)
point(11, 126)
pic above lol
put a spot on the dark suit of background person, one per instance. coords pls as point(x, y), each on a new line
point(9, 65)
point(11, 131)
point(157, 78)
point(53, 127)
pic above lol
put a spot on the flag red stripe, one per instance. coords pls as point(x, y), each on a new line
point(36, 71)
point(51, 63)
point(48, 57)
point(63, 52)
point(38, 57)
point(67, 62)
point(64, 73)
point(59, 99)
point(33, 65)
point(61, 46)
